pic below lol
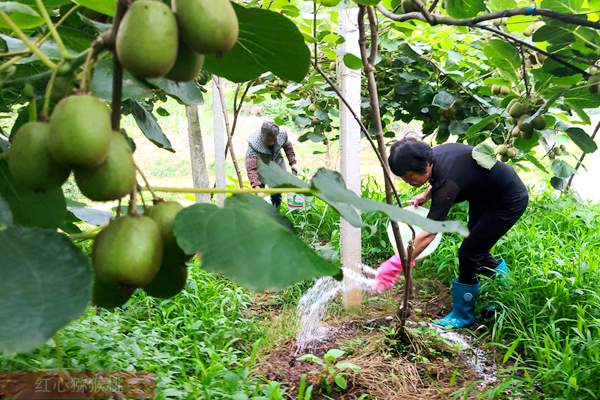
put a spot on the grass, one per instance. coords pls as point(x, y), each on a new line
point(200, 343)
point(204, 343)
point(548, 318)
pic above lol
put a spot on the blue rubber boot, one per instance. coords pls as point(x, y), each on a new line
point(501, 272)
point(463, 306)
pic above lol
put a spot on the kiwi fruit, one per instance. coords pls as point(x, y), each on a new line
point(80, 131)
point(30, 162)
point(114, 178)
point(207, 26)
point(147, 39)
point(128, 252)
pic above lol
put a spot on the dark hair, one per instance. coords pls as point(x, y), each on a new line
point(269, 129)
point(409, 155)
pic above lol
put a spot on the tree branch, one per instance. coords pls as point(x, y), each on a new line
point(436, 19)
point(52, 29)
point(34, 49)
point(559, 60)
point(228, 131)
point(363, 128)
point(117, 81)
point(580, 161)
point(524, 71)
point(369, 70)
point(236, 113)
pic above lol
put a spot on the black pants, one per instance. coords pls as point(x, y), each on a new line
point(487, 224)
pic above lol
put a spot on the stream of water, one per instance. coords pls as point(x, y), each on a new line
point(315, 302)
point(312, 309)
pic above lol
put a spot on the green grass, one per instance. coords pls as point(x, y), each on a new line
point(548, 319)
point(199, 343)
point(202, 343)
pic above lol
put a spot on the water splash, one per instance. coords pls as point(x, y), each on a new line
point(313, 306)
point(474, 357)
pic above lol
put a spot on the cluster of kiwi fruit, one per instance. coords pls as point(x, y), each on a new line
point(506, 152)
point(521, 112)
point(78, 137)
point(154, 41)
point(133, 251)
point(557, 151)
point(139, 251)
point(499, 89)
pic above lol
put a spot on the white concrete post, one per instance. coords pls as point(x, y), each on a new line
point(350, 134)
point(219, 137)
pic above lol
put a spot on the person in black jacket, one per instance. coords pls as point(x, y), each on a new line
point(497, 198)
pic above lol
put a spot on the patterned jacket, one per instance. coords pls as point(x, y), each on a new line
point(256, 149)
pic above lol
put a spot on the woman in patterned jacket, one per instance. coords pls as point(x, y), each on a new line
point(266, 143)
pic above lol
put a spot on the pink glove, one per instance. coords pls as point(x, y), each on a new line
point(388, 272)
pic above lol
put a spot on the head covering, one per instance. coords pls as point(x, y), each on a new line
point(269, 129)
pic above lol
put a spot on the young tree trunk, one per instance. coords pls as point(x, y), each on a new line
point(197, 156)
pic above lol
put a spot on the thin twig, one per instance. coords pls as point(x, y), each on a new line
point(132, 209)
point(18, 55)
point(52, 29)
point(363, 128)
point(524, 71)
point(139, 170)
point(433, 5)
point(162, 189)
point(559, 60)
point(236, 113)
point(34, 49)
point(48, 94)
point(228, 130)
point(117, 82)
point(580, 161)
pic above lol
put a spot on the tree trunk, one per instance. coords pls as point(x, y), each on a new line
point(197, 156)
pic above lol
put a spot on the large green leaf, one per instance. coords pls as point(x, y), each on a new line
point(443, 100)
point(557, 34)
point(332, 189)
point(23, 16)
point(329, 186)
point(504, 57)
point(188, 93)
point(526, 144)
point(564, 6)
point(481, 125)
point(252, 201)
point(275, 176)
point(268, 41)
point(464, 8)
point(102, 83)
point(49, 4)
point(485, 155)
point(149, 126)
point(353, 62)
point(106, 7)
point(49, 48)
point(261, 255)
point(582, 140)
point(5, 213)
point(561, 169)
point(46, 283)
point(44, 209)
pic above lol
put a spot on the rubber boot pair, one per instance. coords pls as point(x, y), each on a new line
point(464, 298)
